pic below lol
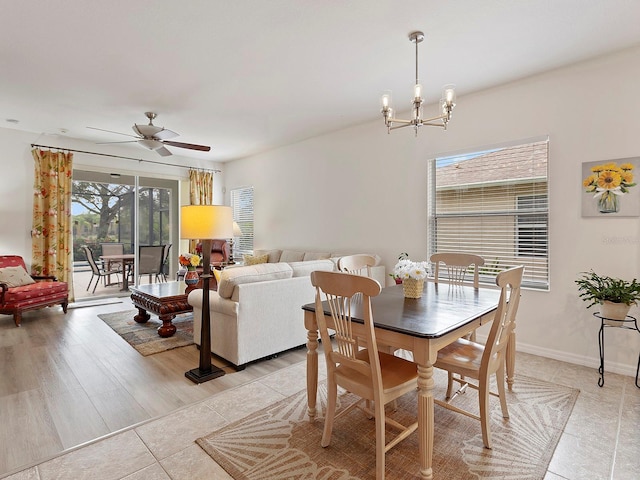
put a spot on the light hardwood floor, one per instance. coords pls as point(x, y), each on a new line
point(69, 379)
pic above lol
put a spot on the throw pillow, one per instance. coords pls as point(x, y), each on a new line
point(255, 260)
point(15, 276)
point(217, 273)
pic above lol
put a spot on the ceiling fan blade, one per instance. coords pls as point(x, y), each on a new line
point(111, 131)
point(165, 134)
point(190, 146)
point(163, 151)
point(109, 143)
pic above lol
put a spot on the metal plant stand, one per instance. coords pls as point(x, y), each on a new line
point(629, 323)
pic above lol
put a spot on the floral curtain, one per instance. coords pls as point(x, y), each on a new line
point(51, 235)
point(200, 187)
point(200, 193)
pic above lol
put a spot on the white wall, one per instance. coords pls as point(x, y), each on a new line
point(16, 179)
point(363, 190)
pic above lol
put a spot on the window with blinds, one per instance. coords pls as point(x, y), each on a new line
point(242, 206)
point(495, 204)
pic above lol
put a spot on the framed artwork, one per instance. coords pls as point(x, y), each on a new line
point(609, 188)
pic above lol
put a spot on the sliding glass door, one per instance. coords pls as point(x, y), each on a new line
point(121, 209)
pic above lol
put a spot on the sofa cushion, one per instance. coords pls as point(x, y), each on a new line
point(15, 277)
point(304, 269)
point(231, 277)
point(255, 259)
point(289, 256)
point(274, 255)
point(315, 256)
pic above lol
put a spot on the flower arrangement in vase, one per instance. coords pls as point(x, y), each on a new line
point(190, 261)
point(412, 275)
point(608, 182)
point(616, 296)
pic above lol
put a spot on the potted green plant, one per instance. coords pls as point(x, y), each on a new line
point(616, 296)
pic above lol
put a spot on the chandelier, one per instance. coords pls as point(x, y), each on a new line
point(447, 102)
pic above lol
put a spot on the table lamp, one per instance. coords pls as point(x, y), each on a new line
point(237, 232)
point(205, 222)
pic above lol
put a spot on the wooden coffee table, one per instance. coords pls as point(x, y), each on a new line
point(163, 299)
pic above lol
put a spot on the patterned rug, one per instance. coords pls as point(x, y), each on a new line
point(279, 442)
point(144, 336)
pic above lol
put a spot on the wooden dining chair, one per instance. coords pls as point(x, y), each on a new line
point(357, 264)
point(376, 377)
point(464, 358)
point(456, 266)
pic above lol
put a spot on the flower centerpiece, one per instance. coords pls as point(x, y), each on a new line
point(608, 182)
point(616, 296)
point(190, 261)
point(412, 275)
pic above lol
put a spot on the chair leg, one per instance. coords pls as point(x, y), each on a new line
point(380, 441)
point(483, 395)
point(91, 280)
point(449, 386)
point(500, 379)
point(332, 395)
point(17, 318)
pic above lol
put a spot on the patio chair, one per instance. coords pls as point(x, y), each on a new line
point(97, 272)
point(150, 261)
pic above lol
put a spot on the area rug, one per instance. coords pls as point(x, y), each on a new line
point(144, 336)
point(279, 442)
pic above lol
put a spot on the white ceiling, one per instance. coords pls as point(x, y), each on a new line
point(245, 76)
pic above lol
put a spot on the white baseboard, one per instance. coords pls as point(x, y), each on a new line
point(613, 367)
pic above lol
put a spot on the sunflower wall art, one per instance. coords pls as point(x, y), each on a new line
point(609, 188)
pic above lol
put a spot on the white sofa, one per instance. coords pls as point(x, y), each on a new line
point(256, 312)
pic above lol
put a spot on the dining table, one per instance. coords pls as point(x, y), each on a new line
point(127, 260)
point(422, 326)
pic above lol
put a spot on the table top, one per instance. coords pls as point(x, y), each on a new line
point(441, 309)
point(161, 290)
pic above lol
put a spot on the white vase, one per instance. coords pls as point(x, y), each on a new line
point(614, 312)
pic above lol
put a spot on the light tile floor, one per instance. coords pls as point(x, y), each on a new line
point(601, 439)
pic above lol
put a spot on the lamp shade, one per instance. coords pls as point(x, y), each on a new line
point(237, 232)
point(206, 222)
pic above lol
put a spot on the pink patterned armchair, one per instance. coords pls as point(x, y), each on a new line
point(20, 291)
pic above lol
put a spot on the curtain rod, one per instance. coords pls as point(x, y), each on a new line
point(125, 158)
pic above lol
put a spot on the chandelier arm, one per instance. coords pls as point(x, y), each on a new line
point(399, 120)
point(439, 117)
point(441, 125)
point(401, 126)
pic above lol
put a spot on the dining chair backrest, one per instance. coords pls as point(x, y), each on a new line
point(342, 291)
point(112, 248)
point(150, 259)
point(456, 266)
point(357, 264)
point(503, 324)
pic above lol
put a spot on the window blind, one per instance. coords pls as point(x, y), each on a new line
point(242, 206)
point(494, 204)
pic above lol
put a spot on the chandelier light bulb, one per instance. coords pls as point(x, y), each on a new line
point(449, 95)
point(417, 92)
point(386, 100)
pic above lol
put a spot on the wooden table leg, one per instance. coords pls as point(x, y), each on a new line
point(167, 328)
point(142, 316)
point(425, 419)
point(312, 363)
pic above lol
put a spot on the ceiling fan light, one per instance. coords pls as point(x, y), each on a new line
point(150, 144)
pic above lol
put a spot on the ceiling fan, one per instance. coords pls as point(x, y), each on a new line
point(155, 138)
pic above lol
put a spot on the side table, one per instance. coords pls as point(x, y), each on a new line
point(629, 323)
